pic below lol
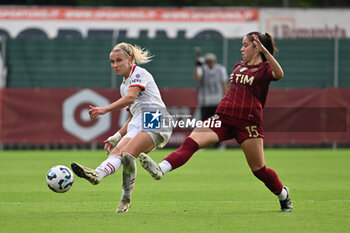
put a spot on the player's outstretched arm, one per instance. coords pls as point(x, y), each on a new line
point(277, 71)
point(126, 100)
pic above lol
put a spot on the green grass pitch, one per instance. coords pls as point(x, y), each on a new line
point(214, 192)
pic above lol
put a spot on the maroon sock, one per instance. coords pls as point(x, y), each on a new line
point(270, 179)
point(183, 154)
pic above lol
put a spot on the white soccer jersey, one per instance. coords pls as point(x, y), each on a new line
point(149, 96)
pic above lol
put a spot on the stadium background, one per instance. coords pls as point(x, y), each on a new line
point(58, 56)
point(215, 191)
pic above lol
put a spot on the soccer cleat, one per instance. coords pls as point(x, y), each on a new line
point(151, 166)
point(286, 205)
point(124, 206)
point(86, 173)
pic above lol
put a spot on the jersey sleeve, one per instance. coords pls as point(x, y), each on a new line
point(139, 79)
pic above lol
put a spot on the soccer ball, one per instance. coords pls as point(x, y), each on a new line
point(59, 179)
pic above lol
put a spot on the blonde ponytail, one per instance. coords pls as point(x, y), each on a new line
point(139, 55)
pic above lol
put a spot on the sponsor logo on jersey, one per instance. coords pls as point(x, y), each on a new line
point(136, 80)
point(243, 69)
point(242, 78)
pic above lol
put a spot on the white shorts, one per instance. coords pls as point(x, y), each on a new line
point(160, 139)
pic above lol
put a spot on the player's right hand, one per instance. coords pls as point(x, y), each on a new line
point(95, 111)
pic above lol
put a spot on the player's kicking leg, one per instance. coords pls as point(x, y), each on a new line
point(106, 168)
point(86, 173)
point(151, 166)
point(199, 138)
point(171, 162)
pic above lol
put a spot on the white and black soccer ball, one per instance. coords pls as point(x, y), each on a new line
point(59, 179)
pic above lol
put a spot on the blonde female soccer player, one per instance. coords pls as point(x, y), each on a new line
point(139, 93)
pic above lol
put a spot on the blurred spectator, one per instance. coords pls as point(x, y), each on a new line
point(3, 69)
point(212, 79)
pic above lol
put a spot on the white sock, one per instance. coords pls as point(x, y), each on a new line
point(165, 166)
point(283, 195)
point(129, 175)
point(109, 166)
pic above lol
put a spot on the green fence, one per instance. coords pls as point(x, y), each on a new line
point(85, 63)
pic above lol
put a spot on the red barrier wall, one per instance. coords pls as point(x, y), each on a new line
point(36, 115)
point(302, 116)
point(334, 125)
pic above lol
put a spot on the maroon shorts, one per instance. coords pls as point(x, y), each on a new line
point(239, 129)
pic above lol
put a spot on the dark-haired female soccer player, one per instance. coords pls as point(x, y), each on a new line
point(240, 113)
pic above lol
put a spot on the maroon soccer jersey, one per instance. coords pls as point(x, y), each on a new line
point(246, 96)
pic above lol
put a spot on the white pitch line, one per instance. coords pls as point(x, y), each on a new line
point(169, 202)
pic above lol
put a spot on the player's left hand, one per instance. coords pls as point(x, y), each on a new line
point(258, 44)
point(95, 111)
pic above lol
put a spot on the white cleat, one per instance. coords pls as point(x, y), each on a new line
point(286, 205)
point(152, 167)
point(124, 206)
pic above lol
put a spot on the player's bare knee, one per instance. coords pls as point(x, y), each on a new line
point(196, 136)
point(117, 151)
point(127, 151)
